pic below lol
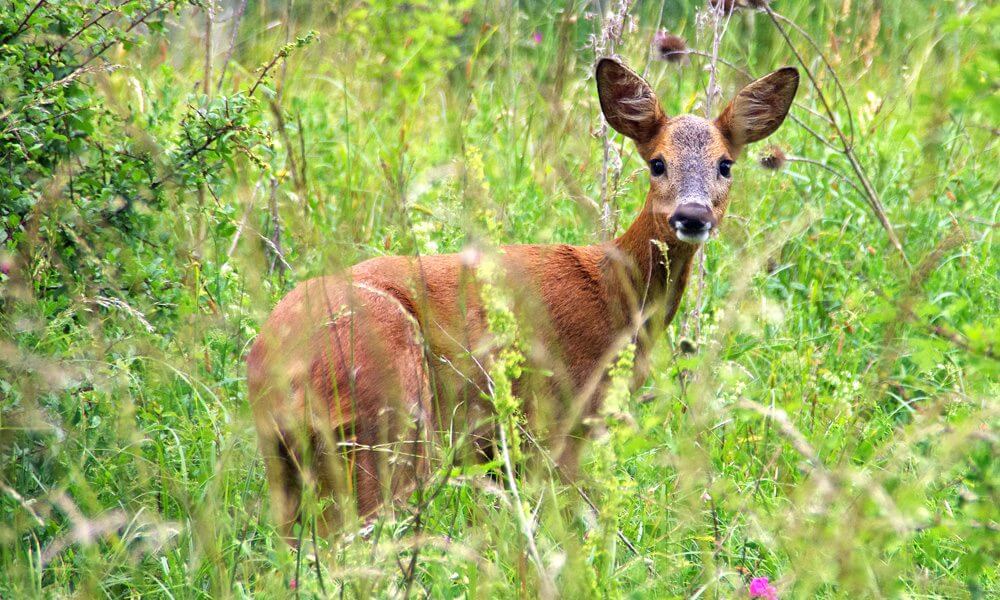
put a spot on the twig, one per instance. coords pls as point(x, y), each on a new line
point(264, 72)
point(207, 77)
point(278, 258)
point(25, 504)
point(243, 222)
point(750, 76)
point(110, 302)
point(548, 586)
point(280, 87)
point(24, 22)
point(555, 466)
point(80, 31)
point(720, 23)
point(957, 339)
point(298, 560)
point(841, 176)
point(829, 68)
point(84, 531)
point(612, 29)
point(848, 150)
point(304, 168)
point(193, 153)
point(206, 86)
point(238, 18)
point(943, 331)
point(418, 520)
point(227, 128)
point(142, 19)
point(718, 18)
point(293, 164)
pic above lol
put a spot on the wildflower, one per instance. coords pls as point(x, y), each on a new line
point(670, 47)
point(537, 38)
point(293, 584)
point(760, 587)
point(774, 158)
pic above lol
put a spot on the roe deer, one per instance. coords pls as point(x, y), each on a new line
point(389, 354)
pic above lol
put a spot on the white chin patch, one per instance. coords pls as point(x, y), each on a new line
point(693, 238)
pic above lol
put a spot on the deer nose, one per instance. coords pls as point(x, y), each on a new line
point(692, 222)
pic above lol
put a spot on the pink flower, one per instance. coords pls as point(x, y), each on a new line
point(537, 37)
point(760, 587)
point(293, 584)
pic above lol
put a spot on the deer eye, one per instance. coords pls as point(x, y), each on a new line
point(657, 167)
point(725, 168)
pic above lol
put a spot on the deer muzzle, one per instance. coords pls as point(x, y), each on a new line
point(692, 222)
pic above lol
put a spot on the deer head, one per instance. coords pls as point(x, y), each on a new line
point(691, 159)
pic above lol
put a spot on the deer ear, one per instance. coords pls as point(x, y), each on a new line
point(627, 101)
point(759, 108)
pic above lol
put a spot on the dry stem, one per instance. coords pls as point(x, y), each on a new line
point(847, 148)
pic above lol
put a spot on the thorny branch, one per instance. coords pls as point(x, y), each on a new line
point(138, 21)
point(221, 131)
point(24, 22)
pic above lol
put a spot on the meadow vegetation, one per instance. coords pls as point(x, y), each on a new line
point(823, 412)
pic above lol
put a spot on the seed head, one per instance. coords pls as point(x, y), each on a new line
point(669, 47)
point(727, 5)
point(774, 158)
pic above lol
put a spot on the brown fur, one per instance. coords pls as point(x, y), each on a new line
point(352, 375)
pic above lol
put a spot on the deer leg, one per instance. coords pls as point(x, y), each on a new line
point(377, 369)
point(284, 482)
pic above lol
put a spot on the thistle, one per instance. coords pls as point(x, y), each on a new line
point(773, 158)
point(669, 47)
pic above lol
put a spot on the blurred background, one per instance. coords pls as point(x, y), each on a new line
point(822, 412)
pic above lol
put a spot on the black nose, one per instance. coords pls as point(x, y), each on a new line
point(692, 218)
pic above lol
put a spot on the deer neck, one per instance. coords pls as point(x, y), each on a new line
point(647, 269)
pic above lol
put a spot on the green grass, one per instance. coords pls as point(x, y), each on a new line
point(827, 433)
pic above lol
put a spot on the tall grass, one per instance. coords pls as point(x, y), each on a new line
point(830, 424)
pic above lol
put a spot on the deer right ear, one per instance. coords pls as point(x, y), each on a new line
point(759, 108)
point(628, 103)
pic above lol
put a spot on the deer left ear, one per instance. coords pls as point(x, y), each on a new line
point(629, 104)
point(759, 108)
